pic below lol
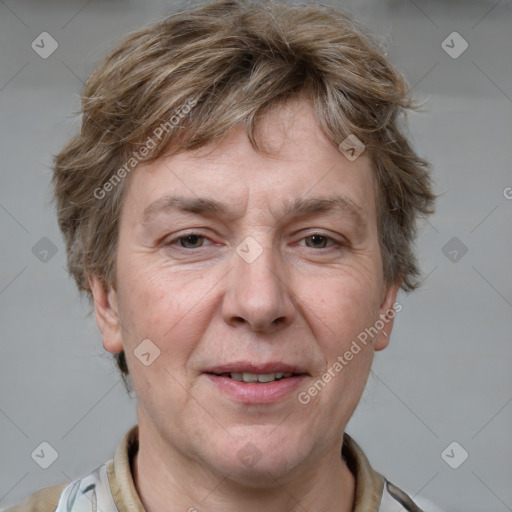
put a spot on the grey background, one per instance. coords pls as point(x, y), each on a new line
point(446, 375)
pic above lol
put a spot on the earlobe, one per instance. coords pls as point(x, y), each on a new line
point(387, 312)
point(106, 311)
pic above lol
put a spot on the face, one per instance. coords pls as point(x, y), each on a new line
point(236, 265)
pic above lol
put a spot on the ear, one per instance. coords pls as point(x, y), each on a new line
point(387, 312)
point(107, 316)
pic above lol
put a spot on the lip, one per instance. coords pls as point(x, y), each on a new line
point(251, 393)
point(256, 393)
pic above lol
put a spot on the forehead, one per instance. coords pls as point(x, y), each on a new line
point(303, 170)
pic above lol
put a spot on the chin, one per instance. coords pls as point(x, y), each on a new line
point(261, 475)
point(258, 461)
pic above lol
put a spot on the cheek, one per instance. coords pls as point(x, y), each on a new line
point(163, 306)
point(342, 305)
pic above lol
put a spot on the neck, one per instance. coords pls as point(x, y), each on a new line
point(164, 477)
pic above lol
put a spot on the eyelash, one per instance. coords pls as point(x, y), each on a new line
point(333, 242)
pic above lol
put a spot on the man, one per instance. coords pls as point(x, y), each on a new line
point(240, 207)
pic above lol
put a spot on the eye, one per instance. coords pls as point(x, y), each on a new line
point(190, 241)
point(319, 241)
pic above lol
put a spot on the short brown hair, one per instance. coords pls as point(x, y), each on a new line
point(234, 60)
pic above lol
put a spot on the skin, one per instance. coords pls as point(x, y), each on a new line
point(303, 300)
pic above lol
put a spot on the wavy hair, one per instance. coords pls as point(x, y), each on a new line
point(237, 59)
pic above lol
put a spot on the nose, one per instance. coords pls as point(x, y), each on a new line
point(258, 295)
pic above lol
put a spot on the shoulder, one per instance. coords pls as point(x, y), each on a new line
point(89, 492)
point(44, 500)
point(373, 491)
point(392, 496)
point(106, 489)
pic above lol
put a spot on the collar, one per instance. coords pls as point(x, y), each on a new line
point(369, 484)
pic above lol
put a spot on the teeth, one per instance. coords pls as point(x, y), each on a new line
point(259, 377)
point(266, 377)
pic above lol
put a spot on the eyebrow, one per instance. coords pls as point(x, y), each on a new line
point(300, 207)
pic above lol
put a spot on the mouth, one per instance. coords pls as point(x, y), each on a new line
point(252, 378)
point(256, 384)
